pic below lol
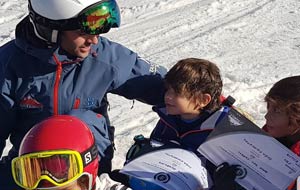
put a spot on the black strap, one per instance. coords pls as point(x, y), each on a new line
point(229, 101)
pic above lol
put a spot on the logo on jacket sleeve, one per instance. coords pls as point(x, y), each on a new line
point(30, 103)
point(153, 69)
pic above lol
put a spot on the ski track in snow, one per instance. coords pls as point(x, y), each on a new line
point(254, 42)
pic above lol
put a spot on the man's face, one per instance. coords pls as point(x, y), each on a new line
point(77, 43)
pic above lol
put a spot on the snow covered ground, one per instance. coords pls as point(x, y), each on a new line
point(254, 42)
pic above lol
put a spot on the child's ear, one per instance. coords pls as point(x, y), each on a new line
point(83, 182)
point(293, 127)
point(204, 101)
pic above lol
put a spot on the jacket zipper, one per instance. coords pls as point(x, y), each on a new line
point(76, 103)
point(56, 85)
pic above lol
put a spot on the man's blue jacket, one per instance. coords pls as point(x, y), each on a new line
point(37, 82)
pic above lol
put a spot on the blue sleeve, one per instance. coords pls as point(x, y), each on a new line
point(99, 128)
point(148, 89)
point(135, 77)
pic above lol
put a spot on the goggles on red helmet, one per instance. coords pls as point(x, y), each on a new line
point(95, 19)
point(59, 167)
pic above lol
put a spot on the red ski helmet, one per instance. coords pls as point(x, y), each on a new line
point(63, 132)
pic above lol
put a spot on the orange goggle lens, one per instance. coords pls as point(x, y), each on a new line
point(57, 167)
point(100, 17)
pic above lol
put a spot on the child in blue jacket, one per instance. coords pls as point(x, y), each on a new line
point(192, 109)
point(193, 90)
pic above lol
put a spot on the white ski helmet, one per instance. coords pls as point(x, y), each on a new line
point(49, 17)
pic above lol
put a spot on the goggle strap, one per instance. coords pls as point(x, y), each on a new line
point(89, 155)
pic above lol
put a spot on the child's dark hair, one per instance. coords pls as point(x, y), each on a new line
point(193, 77)
point(285, 94)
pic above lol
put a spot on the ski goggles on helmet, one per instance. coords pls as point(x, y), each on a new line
point(99, 18)
point(57, 167)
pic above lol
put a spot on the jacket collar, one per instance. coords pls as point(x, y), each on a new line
point(175, 120)
point(289, 141)
point(30, 43)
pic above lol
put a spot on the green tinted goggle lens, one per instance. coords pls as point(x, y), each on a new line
point(100, 17)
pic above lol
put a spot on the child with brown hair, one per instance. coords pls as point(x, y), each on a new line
point(282, 123)
point(283, 114)
point(283, 111)
point(193, 90)
point(192, 109)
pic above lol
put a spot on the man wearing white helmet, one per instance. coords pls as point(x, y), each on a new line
point(58, 64)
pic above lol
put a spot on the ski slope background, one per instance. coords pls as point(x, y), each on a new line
point(254, 42)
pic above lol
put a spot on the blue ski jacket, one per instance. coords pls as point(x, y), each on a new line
point(37, 82)
point(171, 131)
point(189, 135)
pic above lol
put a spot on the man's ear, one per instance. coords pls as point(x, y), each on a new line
point(204, 101)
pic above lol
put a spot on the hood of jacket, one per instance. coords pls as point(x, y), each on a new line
point(28, 42)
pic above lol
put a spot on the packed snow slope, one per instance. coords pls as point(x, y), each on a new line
point(254, 42)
